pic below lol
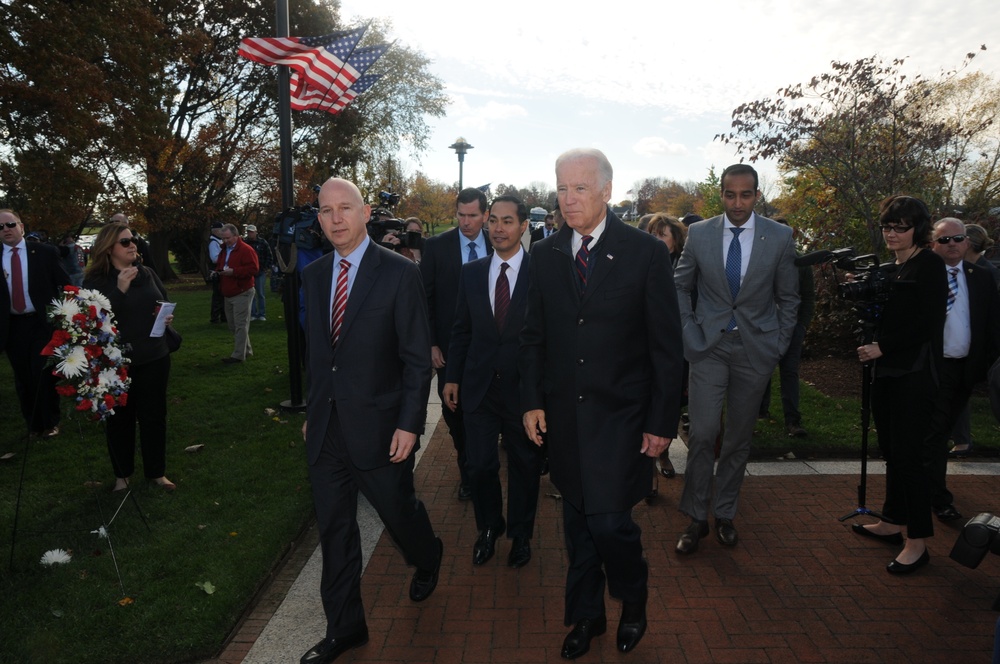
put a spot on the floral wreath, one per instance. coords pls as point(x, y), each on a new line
point(85, 353)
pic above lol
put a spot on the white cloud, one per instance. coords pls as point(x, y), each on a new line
point(650, 146)
point(488, 115)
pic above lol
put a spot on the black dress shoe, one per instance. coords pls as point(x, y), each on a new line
point(896, 567)
point(947, 514)
point(424, 582)
point(688, 541)
point(725, 532)
point(666, 467)
point(486, 543)
point(577, 642)
point(955, 453)
point(328, 650)
point(895, 539)
point(464, 492)
point(520, 553)
point(632, 626)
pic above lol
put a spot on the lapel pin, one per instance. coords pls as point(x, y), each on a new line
point(610, 257)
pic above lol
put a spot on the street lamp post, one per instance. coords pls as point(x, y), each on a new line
point(460, 146)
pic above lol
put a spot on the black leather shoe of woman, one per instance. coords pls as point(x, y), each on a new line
point(894, 538)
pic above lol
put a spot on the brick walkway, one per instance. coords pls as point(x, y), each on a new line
point(799, 586)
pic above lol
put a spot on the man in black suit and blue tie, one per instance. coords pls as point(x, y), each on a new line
point(369, 377)
point(483, 380)
point(33, 276)
point(440, 268)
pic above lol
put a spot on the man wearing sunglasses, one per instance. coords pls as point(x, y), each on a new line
point(971, 333)
point(33, 276)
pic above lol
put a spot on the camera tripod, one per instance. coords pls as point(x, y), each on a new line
point(866, 415)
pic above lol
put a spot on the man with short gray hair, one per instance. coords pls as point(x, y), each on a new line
point(236, 268)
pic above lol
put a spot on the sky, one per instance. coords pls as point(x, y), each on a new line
point(650, 84)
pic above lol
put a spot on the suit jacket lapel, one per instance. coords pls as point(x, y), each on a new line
point(605, 255)
point(564, 245)
point(363, 282)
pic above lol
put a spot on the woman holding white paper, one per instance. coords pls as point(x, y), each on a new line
point(135, 293)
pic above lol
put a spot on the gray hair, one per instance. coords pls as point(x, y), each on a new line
point(231, 228)
point(604, 170)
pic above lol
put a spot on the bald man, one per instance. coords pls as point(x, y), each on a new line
point(369, 351)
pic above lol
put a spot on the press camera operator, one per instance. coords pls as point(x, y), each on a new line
point(907, 351)
point(403, 237)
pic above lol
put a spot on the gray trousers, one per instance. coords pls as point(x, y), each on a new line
point(724, 378)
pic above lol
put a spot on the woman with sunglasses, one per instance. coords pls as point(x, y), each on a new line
point(135, 292)
point(907, 351)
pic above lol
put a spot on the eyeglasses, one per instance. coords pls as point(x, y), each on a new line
point(898, 229)
point(10, 224)
point(945, 239)
point(125, 241)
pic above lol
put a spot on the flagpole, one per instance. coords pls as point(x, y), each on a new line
point(291, 282)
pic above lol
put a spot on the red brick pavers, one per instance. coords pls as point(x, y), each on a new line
point(799, 586)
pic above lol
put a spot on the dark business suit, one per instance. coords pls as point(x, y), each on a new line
point(375, 381)
point(959, 376)
point(440, 269)
point(605, 366)
point(483, 361)
point(24, 336)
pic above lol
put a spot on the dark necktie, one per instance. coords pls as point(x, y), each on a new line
point(339, 302)
point(952, 286)
point(501, 297)
point(16, 283)
point(734, 260)
point(582, 261)
point(473, 254)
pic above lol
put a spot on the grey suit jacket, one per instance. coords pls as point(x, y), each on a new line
point(766, 305)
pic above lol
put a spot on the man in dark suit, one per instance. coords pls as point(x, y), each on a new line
point(369, 377)
point(600, 380)
point(33, 276)
point(545, 230)
point(483, 365)
point(440, 268)
point(741, 266)
point(971, 338)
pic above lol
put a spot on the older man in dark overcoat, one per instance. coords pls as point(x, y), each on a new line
point(601, 375)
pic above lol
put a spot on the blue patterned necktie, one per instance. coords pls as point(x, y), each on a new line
point(952, 286)
point(734, 265)
point(473, 254)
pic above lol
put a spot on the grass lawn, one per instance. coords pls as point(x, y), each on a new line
point(240, 501)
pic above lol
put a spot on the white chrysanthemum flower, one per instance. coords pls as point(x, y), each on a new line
point(113, 353)
point(65, 308)
point(74, 363)
point(98, 299)
point(108, 379)
point(56, 557)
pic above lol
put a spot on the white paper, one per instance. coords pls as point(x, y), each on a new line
point(166, 309)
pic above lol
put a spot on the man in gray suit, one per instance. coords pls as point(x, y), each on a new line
point(742, 268)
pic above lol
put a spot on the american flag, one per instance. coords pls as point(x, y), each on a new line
point(312, 99)
point(320, 60)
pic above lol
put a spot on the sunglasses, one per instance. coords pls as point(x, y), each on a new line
point(125, 241)
point(10, 224)
point(898, 229)
point(945, 239)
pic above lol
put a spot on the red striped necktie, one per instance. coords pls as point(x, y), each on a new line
point(501, 297)
point(339, 302)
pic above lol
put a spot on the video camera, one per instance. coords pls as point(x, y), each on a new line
point(383, 223)
point(978, 536)
point(870, 285)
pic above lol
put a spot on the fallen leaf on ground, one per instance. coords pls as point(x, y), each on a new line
point(8, 456)
point(125, 601)
point(206, 586)
point(194, 448)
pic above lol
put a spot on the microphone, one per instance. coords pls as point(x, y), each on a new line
point(814, 258)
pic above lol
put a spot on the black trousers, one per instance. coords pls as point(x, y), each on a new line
point(602, 547)
point(27, 335)
point(483, 427)
point(335, 485)
point(147, 406)
point(901, 408)
point(951, 399)
point(456, 427)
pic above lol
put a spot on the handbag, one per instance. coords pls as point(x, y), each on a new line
point(172, 337)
